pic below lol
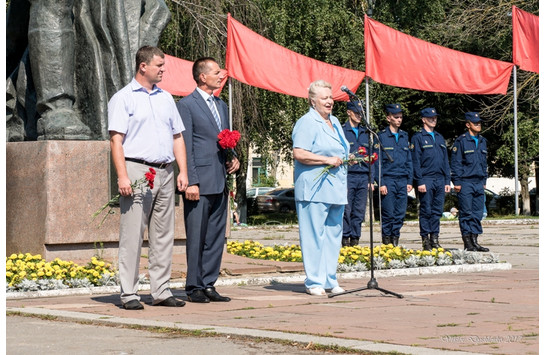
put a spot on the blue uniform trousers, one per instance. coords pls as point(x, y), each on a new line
point(394, 206)
point(320, 233)
point(471, 206)
point(354, 210)
point(431, 205)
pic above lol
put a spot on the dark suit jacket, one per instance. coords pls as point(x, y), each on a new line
point(205, 158)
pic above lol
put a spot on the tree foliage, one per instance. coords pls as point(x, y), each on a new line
point(332, 31)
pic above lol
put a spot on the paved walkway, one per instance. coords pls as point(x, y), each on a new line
point(489, 309)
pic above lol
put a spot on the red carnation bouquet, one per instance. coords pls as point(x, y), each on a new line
point(147, 180)
point(228, 140)
point(352, 159)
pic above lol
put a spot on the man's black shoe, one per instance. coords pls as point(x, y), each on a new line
point(214, 296)
point(198, 296)
point(354, 242)
point(171, 302)
point(133, 305)
point(346, 242)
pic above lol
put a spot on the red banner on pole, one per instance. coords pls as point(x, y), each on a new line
point(397, 59)
point(525, 40)
point(178, 77)
point(257, 61)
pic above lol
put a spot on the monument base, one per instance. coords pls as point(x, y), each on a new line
point(52, 190)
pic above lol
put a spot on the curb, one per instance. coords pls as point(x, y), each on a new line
point(361, 345)
point(274, 279)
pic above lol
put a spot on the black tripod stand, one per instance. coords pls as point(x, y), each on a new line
point(372, 284)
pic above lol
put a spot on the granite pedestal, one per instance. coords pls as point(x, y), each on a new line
point(52, 190)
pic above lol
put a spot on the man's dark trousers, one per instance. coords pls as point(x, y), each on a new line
point(354, 210)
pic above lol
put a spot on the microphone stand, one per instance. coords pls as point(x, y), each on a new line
point(372, 284)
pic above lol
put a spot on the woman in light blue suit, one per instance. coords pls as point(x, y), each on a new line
point(319, 141)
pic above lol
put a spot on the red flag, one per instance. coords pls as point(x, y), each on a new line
point(397, 59)
point(257, 61)
point(178, 77)
point(525, 40)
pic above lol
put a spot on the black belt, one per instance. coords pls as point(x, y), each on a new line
point(155, 165)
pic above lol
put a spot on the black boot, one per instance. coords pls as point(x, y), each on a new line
point(426, 243)
point(346, 242)
point(468, 243)
point(386, 240)
point(476, 244)
point(354, 242)
point(435, 241)
point(395, 241)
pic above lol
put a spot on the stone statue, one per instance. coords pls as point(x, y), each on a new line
point(66, 58)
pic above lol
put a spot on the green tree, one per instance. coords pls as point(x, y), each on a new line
point(485, 28)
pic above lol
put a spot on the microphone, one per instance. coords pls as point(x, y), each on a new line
point(350, 93)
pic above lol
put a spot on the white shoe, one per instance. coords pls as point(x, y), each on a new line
point(337, 289)
point(316, 291)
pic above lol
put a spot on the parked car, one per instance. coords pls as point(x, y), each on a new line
point(251, 194)
point(279, 200)
point(492, 201)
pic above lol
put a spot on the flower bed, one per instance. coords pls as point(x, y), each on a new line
point(358, 258)
point(26, 272)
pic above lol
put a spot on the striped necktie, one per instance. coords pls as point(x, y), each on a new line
point(214, 111)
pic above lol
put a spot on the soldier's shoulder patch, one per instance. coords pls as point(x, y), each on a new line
point(454, 149)
point(377, 146)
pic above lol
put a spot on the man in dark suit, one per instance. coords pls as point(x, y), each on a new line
point(205, 200)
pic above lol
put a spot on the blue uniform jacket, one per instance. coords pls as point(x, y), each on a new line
point(402, 166)
point(355, 143)
point(468, 161)
point(430, 157)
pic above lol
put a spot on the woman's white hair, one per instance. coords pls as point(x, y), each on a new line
point(313, 88)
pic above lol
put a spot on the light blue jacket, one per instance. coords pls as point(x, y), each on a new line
point(311, 133)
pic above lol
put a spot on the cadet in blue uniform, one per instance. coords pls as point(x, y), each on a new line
point(358, 177)
point(469, 174)
point(431, 175)
point(396, 177)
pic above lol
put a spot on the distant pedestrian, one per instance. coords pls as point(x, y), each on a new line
point(431, 175)
point(396, 176)
point(469, 174)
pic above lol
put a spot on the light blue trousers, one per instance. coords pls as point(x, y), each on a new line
point(320, 234)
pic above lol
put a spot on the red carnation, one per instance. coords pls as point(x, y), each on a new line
point(362, 151)
point(149, 177)
point(228, 139)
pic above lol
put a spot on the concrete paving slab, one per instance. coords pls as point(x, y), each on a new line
point(472, 309)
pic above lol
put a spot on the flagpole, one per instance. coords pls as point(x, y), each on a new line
point(515, 138)
point(230, 105)
point(367, 100)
